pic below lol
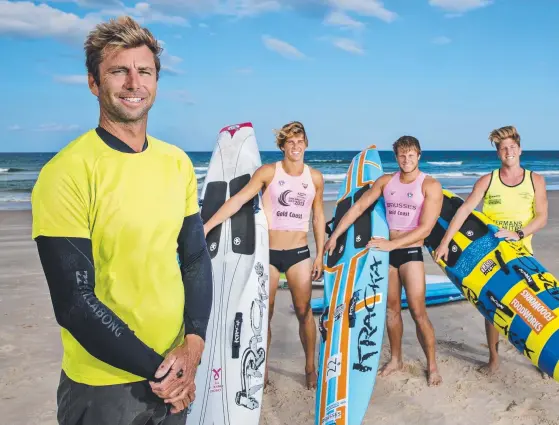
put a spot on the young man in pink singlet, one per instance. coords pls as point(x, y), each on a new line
point(413, 203)
point(291, 190)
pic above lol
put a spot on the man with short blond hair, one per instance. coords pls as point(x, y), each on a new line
point(413, 202)
point(514, 198)
point(109, 211)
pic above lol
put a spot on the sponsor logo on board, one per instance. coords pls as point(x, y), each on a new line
point(532, 310)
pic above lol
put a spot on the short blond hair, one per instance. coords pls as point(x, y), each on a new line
point(289, 130)
point(120, 33)
point(500, 134)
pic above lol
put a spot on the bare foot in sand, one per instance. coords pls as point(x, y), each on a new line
point(392, 366)
point(490, 368)
point(312, 378)
point(434, 378)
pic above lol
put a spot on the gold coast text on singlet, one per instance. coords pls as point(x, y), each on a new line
point(511, 207)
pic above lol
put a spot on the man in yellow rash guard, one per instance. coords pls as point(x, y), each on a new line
point(110, 212)
point(514, 198)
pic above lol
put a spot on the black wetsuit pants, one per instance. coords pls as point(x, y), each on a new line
point(124, 404)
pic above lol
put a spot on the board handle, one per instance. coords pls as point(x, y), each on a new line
point(527, 277)
point(502, 263)
point(321, 327)
point(327, 227)
point(351, 309)
point(236, 343)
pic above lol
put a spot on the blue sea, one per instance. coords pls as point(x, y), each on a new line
point(456, 170)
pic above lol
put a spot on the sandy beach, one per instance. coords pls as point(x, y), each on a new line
point(30, 354)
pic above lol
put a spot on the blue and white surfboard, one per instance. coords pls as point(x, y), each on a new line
point(355, 289)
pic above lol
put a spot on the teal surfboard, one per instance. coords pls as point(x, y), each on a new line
point(355, 288)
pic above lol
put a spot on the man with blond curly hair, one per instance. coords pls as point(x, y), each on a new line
point(110, 212)
point(514, 198)
point(292, 190)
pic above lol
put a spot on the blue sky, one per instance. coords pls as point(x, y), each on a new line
point(355, 72)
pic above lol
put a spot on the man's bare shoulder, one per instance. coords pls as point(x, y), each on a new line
point(317, 177)
point(266, 172)
point(538, 179)
point(385, 178)
point(432, 184)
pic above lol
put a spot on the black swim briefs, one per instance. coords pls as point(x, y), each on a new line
point(283, 259)
point(401, 256)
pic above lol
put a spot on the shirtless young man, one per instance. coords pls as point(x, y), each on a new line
point(514, 198)
point(291, 190)
point(413, 202)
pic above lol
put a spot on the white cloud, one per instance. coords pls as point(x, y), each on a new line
point(348, 45)
point(373, 8)
point(283, 48)
point(89, 3)
point(144, 14)
point(458, 7)
point(15, 127)
point(26, 19)
point(57, 127)
point(340, 19)
point(442, 40)
point(71, 79)
point(170, 62)
point(241, 8)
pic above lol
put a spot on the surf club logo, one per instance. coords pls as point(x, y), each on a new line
point(213, 246)
point(366, 347)
point(410, 195)
point(286, 200)
point(237, 241)
point(305, 185)
point(255, 354)
point(487, 266)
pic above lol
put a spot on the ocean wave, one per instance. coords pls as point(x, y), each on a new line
point(328, 161)
point(458, 175)
point(201, 168)
point(200, 176)
point(12, 170)
point(334, 178)
point(10, 197)
point(445, 163)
